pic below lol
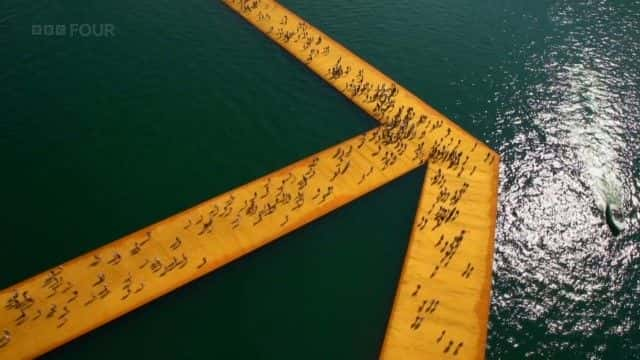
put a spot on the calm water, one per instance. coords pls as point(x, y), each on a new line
point(100, 136)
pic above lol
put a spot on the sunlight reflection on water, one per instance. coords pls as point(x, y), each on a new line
point(562, 282)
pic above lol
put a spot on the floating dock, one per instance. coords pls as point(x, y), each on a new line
point(442, 302)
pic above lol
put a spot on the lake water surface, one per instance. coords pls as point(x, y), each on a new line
point(100, 136)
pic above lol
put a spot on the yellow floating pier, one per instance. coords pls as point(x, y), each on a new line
point(442, 303)
point(441, 306)
point(80, 295)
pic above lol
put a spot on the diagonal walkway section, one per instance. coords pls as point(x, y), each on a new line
point(63, 303)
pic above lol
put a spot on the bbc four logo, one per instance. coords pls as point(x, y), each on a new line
point(74, 30)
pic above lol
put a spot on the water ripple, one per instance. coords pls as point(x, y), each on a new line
point(564, 285)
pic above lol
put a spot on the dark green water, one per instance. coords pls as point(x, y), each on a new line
point(101, 136)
